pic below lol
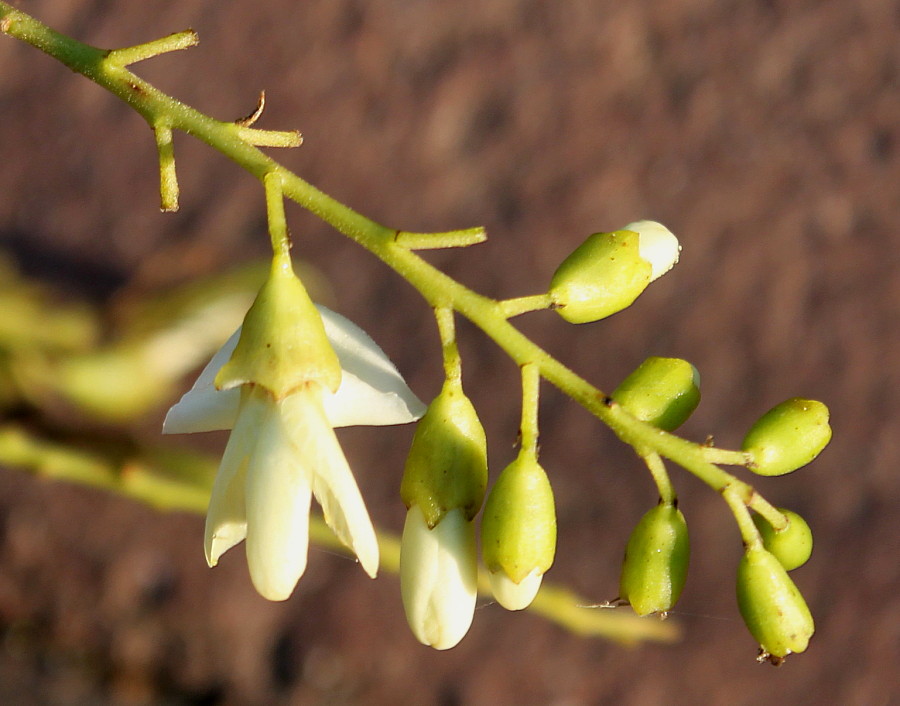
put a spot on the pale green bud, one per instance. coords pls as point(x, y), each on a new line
point(772, 606)
point(518, 532)
point(792, 545)
point(787, 437)
point(447, 463)
point(282, 345)
point(608, 271)
point(661, 391)
point(656, 561)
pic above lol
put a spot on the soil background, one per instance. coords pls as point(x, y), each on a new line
point(764, 133)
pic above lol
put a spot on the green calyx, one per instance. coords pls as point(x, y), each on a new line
point(602, 276)
point(518, 527)
point(792, 545)
point(661, 391)
point(787, 437)
point(656, 561)
point(283, 343)
point(772, 606)
point(447, 463)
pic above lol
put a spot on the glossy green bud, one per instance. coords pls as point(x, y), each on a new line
point(787, 437)
point(604, 275)
point(661, 391)
point(518, 532)
point(608, 271)
point(447, 463)
point(772, 607)
point(656, 561)
point(283, 343)
point(792, 546)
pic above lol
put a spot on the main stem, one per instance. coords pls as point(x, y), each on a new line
point(438, 289)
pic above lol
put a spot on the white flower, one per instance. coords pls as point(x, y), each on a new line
point(282, 452)
point(438, 577)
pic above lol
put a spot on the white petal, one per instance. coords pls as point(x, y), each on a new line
point(657, 245)
point(515, 596)
point(372, 391)
point(203, 407)
point(226, 522)
point(278, 497)
point(333, 483)
point(438, 569)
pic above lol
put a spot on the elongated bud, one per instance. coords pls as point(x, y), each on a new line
point(608, 271)
point(438, 577)
point(656, 561)
point(787, 437)
point(772, 606)
point(518, 532)
point(447, 464)
point(793, 545)
point(283, 343)
point(661, 391)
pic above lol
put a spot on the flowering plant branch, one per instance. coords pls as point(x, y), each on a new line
point(283, 370)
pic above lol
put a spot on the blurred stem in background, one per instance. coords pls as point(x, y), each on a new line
point(56, 381)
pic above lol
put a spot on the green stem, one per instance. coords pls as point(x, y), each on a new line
point(447, 330)
point(278, 230)
point(531, 384)
point(524, 305)
point(168, 178)
point(438, 289)
point(660, 477)
point(433, 241)
point(148, 50)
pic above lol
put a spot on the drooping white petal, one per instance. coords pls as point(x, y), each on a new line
point(226, 521)
point(372, 391)
point(278, 495)
point(333, 484)
point(515, 596)
point(438, 570)
point(203, 407)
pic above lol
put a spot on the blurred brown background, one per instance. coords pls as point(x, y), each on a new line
point(764, 133)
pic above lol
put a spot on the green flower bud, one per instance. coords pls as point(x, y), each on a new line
point(656, 561)
point(283, 343)
point(608, 271)
point(772, 607)
point(662, 391)
point(518, 532)
point(447, 463)
point(792, 546)
point(788, 436)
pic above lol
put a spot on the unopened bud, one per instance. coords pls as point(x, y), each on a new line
point(661, 391)
point(787, 437)
point(518, 532)
point(792, 546)
point(447, 463)
point(656, 561)
point(772, 606)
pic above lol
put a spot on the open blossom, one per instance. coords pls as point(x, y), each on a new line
point(282, 451)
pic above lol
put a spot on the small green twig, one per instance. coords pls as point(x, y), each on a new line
point(523, 305)
point(434, 241)
point(174, 42)
point(531, 385)
point(168, 178)
point(660, 477)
